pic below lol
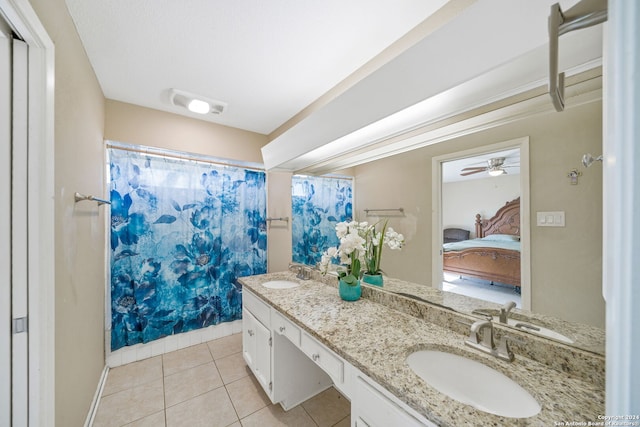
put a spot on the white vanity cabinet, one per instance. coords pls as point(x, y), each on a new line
point(256, 339)
point(271, 349)
point(293, 366)
point(256, 348)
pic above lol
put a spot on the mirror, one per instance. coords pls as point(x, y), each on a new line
point(565, 267)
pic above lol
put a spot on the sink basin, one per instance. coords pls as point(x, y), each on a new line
point(280, 284)
point(473, 383)
point(537, 330)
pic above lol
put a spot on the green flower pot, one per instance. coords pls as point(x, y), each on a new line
point(349, 292)
point(372, 279)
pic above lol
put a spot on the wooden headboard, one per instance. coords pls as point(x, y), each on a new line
point(505, 221)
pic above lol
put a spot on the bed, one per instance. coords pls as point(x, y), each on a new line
point(494, 254)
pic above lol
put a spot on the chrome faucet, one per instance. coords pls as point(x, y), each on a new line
point(302, 271)
point(481, 338)
point(506, 310)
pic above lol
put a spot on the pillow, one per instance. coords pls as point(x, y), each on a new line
point(502, 238)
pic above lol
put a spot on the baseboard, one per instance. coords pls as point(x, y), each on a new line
point(96, 398)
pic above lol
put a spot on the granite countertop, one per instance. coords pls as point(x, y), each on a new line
point(377, 340)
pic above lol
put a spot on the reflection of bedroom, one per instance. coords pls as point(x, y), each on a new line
point(462, 198)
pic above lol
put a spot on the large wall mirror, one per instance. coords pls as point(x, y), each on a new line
point(562, 273)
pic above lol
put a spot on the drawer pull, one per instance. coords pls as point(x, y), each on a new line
point(250, 332)
point(315, 357)
point(282, 328)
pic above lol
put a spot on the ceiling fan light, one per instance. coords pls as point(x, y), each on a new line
point(496, 171)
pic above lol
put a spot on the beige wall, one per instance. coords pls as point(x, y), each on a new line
point(279, 232)
point(80, 228)
point(462, 200)
point(137, 125)
point(566, 263)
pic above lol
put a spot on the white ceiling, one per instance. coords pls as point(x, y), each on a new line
point(451, 170)
point(266, 59)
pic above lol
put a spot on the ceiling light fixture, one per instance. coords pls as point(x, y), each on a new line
point(195, 103)
point(496, 171)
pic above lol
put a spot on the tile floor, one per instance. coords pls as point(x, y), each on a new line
point(205, 385)
point(481, 289)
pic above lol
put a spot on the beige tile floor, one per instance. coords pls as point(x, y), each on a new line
point(205, 385)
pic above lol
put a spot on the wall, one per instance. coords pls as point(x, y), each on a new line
point(137, 125)
point(279, 232)
point(462, 200)
point(79, 228)
point(566, 263)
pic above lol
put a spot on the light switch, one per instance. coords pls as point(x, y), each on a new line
point(550, 219)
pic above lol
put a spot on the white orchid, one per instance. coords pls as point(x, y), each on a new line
point(375, 240)
point(350, 252)
point(393, 239)
point(360, 243)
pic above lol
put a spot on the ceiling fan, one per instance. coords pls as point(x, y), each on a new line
point(495, 167)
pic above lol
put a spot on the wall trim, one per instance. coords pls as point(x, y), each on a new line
point(525, 221)
point(93, 409)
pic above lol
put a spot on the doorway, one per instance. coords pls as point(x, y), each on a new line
point(449, 212)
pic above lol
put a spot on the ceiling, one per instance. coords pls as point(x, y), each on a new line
point(326, 78)
point(266, 59)
point(451, 169)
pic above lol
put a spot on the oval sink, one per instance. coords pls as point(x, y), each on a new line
point(473, 383)
point(280, 284)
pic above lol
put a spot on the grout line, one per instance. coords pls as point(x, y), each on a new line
point(232, 405)
point(308, 414)
point(164, 393)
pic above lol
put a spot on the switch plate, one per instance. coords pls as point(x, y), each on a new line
point(550, 219)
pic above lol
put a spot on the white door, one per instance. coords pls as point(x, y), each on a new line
point(13, 228)
point(19, 236)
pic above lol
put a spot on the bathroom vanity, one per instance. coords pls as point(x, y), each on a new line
point(301, 339)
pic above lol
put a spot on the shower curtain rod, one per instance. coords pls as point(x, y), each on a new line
point(177, 155)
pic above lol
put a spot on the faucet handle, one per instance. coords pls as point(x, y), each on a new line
point(484, 327)
point(505, 310)
point(504, 352)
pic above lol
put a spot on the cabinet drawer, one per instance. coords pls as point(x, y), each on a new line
point(373, 409)
point(257, 307)
point(283, 326)
point(325, 358)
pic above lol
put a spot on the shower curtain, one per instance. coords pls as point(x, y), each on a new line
point(318, 204)
point(182, 232)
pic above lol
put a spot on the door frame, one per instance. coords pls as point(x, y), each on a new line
point(40, 217)
point(525, 230)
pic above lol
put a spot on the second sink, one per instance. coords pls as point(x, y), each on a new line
point(280, 284)
point(473, 383)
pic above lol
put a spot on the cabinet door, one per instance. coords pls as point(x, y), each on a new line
point(248, 338)
point(262, 359)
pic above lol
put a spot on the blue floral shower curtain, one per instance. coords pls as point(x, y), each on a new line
point(182, 232)
point(318, 204)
